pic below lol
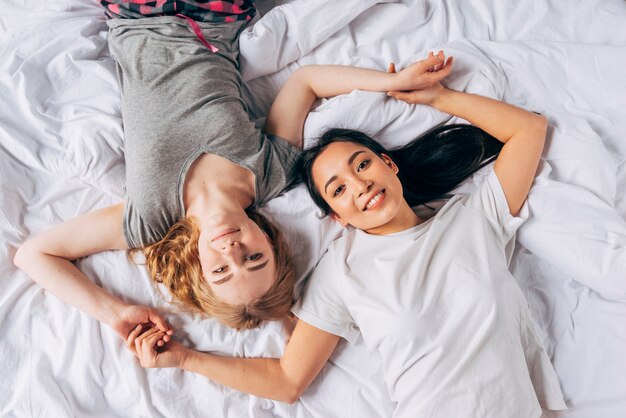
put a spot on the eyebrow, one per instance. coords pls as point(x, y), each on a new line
point(350, 160)
point(253, 268)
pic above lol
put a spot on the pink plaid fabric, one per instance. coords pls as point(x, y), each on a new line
point(198, 10)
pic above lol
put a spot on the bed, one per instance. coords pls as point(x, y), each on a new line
point(62, 154)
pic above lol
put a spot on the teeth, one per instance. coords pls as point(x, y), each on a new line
point(374, 200)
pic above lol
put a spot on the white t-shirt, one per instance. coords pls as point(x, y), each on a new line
point(438, 302)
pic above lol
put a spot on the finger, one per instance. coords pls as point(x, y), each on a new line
point(158, 320)
point(442, 60)
point(145, 351)
point(140, 339)
point(147, 334)
point(439, 58)
point(430, 62)
point(131, 337)
point(150, 345)
point(436, 76)
point(430, 55)
point(153, 339)
point(446, 66)
point(391, 68)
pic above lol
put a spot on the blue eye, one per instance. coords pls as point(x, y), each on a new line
point(253, 257)
point(220, 270)
point(338, 190)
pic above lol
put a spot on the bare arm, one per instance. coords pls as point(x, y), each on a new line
point(293, 103)
point(281, 379)
point(47, 259)
point(523, 134)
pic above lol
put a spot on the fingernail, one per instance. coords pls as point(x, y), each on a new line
point(138, 326)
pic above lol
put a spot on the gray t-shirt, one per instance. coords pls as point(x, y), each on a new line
point(180, 100)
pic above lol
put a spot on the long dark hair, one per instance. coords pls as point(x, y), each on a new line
point(431, 166)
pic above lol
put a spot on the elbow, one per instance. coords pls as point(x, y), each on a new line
point(21, 255)
point(292, 394)
point(292, 389)
point(290, 383)
point(26, 254)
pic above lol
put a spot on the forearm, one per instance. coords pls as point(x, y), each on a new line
point(501, 120)
point(294, 101)
point(332, 80)
point(262, 377)
point(61, 278)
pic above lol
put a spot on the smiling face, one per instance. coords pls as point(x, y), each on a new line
point(237, 258)
point(362, 188)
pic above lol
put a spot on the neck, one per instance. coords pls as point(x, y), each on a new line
point(215, 199)
point(404, 219)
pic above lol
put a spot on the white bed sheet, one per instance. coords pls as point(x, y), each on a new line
point(61, 154)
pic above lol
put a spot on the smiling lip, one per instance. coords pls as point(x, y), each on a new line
point(381, 198)
point(224, 233)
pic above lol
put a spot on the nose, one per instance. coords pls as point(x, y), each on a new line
point(229, 247)
point(362, 186)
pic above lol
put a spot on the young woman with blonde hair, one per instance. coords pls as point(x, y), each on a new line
point(196, 169)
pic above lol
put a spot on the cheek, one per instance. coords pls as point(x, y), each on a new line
point(207, 258)
point(203, 261)
point(215, 289)
point(342, 206)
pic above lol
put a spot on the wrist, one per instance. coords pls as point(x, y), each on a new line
point(112, 310)
point(440, 101)
point(186, 359)
point(395, 82)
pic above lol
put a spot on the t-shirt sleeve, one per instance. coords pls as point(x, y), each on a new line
point(321, 304)
point(279, 167)
point(137, 231)
point(490, 199)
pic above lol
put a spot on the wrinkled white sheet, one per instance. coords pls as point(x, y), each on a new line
point(61, 154)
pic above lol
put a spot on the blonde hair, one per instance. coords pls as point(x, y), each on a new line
point(175, 262)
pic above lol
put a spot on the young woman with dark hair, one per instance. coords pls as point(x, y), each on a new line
point(433, 297)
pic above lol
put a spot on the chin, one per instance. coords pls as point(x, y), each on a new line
point(383, 218)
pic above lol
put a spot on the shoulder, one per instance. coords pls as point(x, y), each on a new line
point(143, 225)
point(489, 199)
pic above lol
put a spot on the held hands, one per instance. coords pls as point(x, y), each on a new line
point(419, 83)
point(132, 316)
point(150, 350)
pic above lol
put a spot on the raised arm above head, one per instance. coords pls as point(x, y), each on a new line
point(47, 259)
point(281, 379)
point(522, 132)
point(293, 103)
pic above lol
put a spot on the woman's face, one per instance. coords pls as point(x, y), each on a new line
point(361, 188)
point(237, 258)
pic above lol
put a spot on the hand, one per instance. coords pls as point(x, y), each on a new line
point(151, 354)
point(422, 74)
point(426, 89)
point(132, 316)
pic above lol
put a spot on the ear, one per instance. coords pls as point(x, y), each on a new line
point(337, 218)
point(390, 163)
